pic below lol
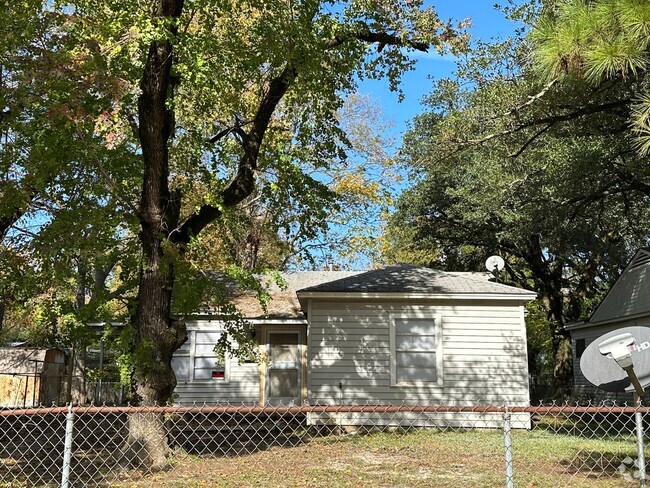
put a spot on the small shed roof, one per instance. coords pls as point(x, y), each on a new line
point(404, 278)
point(14, 360)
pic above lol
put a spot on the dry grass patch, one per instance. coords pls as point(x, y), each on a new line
point(415, 459)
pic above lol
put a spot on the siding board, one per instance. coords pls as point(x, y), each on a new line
point(484, 353)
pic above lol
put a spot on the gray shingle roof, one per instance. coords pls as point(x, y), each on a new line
point(392, 279)
point(405, 278)
point(629, 295)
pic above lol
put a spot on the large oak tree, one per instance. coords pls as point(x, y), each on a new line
point(227, 100)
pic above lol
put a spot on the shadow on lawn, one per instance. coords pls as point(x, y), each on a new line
point(31, 453)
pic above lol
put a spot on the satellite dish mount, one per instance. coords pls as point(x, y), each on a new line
point(618, 347)
point(494, 264)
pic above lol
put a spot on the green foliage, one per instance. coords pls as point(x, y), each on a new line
point(505, 162)
point(603, 41)
point(250, 109)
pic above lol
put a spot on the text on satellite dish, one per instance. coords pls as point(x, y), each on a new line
point(635, 348)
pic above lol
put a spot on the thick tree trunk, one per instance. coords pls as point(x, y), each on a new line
point(157, 335)
point(146, 445)
point(548, 275)
point(560, 344)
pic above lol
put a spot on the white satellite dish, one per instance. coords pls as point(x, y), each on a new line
point(494, 263)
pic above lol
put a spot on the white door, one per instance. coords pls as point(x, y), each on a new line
point(283, 371)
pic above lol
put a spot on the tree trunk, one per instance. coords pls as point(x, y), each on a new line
point(560, 344)
point(146, 446)
point(2, 313)
point(157, 336)
point(547, 271)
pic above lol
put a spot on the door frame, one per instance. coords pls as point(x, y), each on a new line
point(301, 330)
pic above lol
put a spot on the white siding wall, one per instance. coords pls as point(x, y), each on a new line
point(242, 385)
point(484, 353)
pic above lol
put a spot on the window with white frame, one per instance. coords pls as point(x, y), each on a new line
point(197, 360)
point(416, 350)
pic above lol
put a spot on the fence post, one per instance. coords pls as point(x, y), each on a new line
point(639, 447)
point(67, 450)
point(507, 440)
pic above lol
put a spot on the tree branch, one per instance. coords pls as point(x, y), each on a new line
point(551, 119)
point(243, 183)
point(532, 139)
point(364, 33)
point(531, 99)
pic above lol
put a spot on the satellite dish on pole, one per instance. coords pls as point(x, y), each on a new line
point(494, 264)
point(601, 366)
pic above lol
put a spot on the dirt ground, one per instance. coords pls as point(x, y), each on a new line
point(418, 459)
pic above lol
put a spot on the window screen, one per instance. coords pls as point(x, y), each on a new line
point(415, 350)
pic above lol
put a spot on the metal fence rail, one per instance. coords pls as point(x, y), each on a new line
point(343, 445)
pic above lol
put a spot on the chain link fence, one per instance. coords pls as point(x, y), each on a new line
point(360, 445)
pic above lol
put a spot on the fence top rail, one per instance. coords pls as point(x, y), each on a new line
point(326, 409)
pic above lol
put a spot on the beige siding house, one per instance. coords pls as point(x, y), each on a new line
point(626, 304)
point(401, 334)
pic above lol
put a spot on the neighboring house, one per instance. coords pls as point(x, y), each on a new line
point(626, 304)
point(401, 334)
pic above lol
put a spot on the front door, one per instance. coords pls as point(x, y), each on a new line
point(284, 368)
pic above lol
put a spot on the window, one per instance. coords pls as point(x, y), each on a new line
point(416, 350)
point(580, 347)
point(206, 362)
point(196, 360)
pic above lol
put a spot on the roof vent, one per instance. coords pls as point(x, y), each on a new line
point(641, 259)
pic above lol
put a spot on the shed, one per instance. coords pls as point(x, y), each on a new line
point(627, 303)
point(30, 377)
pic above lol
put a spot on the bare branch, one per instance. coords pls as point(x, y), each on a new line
point(364, 33)
point(551, 119)
point(115, 190)
point(531, 99)
point(532, 139)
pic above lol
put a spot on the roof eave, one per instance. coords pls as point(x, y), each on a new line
point(614, 320)
point(524, 295)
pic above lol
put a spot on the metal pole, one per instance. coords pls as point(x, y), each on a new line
point(67, 450)
point(639, 444)
point(510, 476)
point(98, 388)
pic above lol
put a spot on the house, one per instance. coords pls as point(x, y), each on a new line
point(626, 304)
point(400, 334)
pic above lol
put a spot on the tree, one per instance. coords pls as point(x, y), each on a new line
point(531, 169)
point(230, 100)
point(223, 92)
point(604, 42)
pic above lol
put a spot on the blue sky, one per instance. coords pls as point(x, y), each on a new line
point(487, 23)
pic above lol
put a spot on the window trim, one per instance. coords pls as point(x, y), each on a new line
point(437, 318)
point(192, 355)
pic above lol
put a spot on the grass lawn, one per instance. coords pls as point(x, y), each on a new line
point(418, 459)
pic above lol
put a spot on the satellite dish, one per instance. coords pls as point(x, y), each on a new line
point(605, 373)
point(494, 262)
